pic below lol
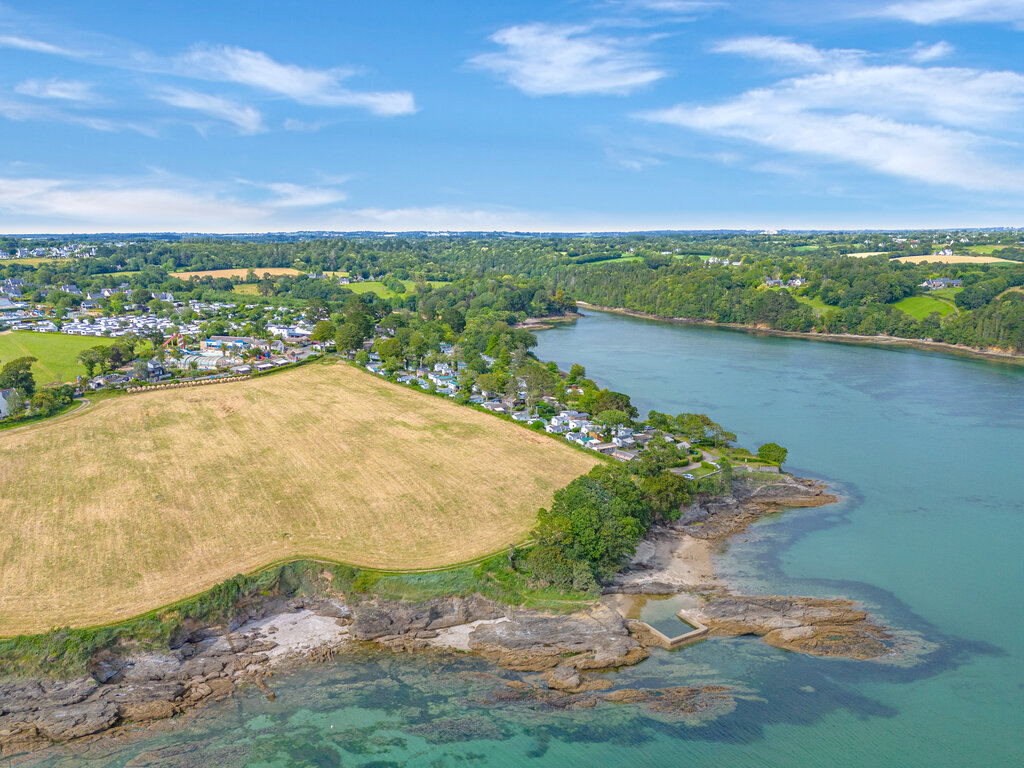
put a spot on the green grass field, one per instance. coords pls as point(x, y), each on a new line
point(985, 250)
point(807, 248)
point(56, 354)
point(377, 287)
point(814, 303)
point(619, 260)
point(919, 307)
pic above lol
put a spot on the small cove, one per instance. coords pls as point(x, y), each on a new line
point(924, 450)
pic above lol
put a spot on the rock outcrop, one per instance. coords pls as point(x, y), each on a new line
point(817, 626)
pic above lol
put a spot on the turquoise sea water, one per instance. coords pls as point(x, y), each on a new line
point(927, 451)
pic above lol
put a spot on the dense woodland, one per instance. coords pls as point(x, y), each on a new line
point(668, 275)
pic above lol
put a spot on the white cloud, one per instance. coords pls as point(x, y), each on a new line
point(287, 195)
point(67, 90)
point(674, 7)
point(544, 60)
point(940, 125)
point(34, 45)
point(939, 11)
point(17, 110)
point(922, 54)
point(232, 64)
point(785, 51)
point(316, 87)
point(169, 204)
point(248, 120)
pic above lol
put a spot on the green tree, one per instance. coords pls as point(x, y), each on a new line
point(658, 456)
point(773, 452)
point(667, 493)
point(595, 521)
point(324, 330)
point(316, 310)
point(44, 402)
point(15, 403)
point(454, 319)
point(17, 374)
point(349, 336)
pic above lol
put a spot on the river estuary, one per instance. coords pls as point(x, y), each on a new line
point(926, 451)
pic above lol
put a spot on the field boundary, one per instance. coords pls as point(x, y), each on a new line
point(183, 384)
point(155, 612)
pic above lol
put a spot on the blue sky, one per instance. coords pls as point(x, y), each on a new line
point(582, 115)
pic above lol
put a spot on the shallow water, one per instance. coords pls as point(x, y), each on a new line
point(926, 451)
point(662, 613)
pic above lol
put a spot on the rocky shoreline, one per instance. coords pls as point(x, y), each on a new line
point(206, 664)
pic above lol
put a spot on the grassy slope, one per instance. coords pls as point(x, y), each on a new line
point(56, 354)
point(377, 287)
point(985, 250)
point(138, 502)
point(919, 307)
point(819, 306)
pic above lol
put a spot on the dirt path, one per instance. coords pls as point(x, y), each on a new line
point(83, 404)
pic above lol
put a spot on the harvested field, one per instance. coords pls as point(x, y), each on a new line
point(139, 501)
point(238, 273)
point(956, 258)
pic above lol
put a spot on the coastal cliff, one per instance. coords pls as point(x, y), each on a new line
point(270, 633)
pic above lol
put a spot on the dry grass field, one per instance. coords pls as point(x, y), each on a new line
point(139, 501)
point(240, 272)
point(954, 259)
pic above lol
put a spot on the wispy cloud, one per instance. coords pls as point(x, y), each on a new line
point(681, 8)
point(36, 46)
point(315, 87)
point(941, 125)
point(165, 203)
point(922, 54)
point(247, 119)
point(942, 11)
point(545, 60)
point(785, 51)
point(251, 69)
point(21, 110)
point(54, 88)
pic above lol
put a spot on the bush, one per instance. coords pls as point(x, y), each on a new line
point(772, 452)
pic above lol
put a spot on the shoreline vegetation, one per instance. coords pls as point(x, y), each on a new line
point(842, 338)
point(246, 630)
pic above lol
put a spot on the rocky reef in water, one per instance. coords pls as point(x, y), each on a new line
point(206, 664)
point(816, 626)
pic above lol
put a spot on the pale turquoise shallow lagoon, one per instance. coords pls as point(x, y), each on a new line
point(927, 451)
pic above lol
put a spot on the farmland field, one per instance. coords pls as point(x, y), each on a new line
point(238, 272)
point(377, 287)
point(815, 303)
point(136, 502)
point(919, 307)
point(618, 260)
point(954, 259)
point(986, 250)
point(55, 353)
